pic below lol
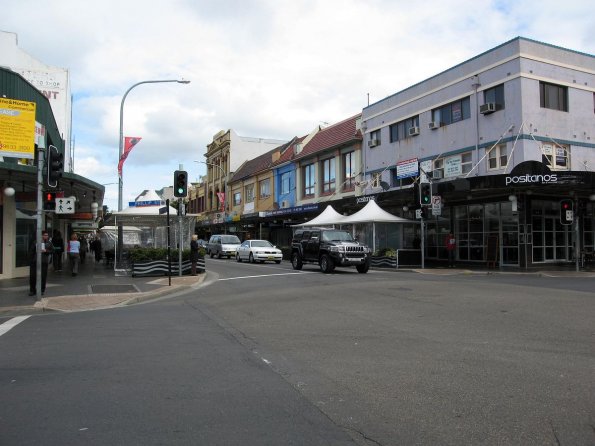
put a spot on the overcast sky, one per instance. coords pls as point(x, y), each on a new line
point(266, 68)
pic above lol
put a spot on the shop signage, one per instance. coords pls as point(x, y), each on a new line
point(453, 167)
point(292, 210)
point(407, 168)
point(365, 199)
point(531, 179)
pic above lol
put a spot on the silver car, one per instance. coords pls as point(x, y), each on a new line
point(223, 245)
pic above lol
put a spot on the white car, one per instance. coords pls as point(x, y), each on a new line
point(258, 251)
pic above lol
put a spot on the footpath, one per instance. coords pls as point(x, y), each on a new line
point(94, 287)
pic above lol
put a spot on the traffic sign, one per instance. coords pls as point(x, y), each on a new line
point(65, 205)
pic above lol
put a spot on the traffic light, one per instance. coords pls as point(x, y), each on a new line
point(49, 201)
point(566, 212)
point(425, 194)
point(180, 183)
point(424, 213)
point(55, 163)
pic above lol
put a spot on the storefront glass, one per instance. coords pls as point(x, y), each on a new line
point(552, 241)
point(25, 233)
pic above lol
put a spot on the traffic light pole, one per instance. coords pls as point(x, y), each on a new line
point(38, 214)
point(577, 240)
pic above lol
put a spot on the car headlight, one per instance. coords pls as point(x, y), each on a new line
point(337, 248)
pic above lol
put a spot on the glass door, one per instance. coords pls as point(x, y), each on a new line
point(552, 241)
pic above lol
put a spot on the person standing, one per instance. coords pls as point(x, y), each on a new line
point(74, 249)
point(451, 246)
point(96, 246)
point(194, 247)
point(47, 250)
point(58, 244)
point(83, 248)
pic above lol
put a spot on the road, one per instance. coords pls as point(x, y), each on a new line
point(263, 354)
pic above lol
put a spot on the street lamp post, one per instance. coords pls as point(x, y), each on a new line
point(121, 151)
point(223, 176)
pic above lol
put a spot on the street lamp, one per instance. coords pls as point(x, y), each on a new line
point(121, 151)
point(121, 141)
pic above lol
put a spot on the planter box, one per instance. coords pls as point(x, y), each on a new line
point(160, 268)
point(383, 262)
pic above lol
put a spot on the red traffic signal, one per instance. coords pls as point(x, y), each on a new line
point(49, 201)
point(566, 212)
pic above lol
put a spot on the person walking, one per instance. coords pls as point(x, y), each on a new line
point(83, 248)
point(451, 246)
point(47, 250)
point(74, 249)
point(58, 244)
point(96, 248)
point(194, 247)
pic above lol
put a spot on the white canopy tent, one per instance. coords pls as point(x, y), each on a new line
point(327, 217)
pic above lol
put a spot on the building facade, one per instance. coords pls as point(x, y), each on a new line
point(502, 138)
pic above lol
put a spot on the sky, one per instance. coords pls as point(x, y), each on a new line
point(264, 68)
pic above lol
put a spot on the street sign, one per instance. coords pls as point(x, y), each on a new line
point(418, 214)
point(163, 210)
point(65, 205)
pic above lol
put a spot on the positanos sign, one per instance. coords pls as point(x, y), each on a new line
point(532, 179)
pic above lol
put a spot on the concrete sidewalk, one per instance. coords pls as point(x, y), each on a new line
point(94, 287)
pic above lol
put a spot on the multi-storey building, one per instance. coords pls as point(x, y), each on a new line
point(503, 138)
point(225, 154)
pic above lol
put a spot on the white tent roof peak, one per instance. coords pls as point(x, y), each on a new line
point(327, 217)
point(372, 213)
point(148, 195)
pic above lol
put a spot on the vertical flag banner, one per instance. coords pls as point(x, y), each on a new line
point(129, 143)
point(221, 197)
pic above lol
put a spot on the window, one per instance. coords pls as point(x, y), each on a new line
point(265, 188)
point(349, 171)
point(466, 162)
point(454, 112)
point(237, 198)
point(556, 156)
point(376, 178)
point(495, 95)
point(553, 96)
point(285, 182)
point(374, 138)
point(400, 130)
point(309, 180)
point(439, 166)
point(249, 193)
point(328, 175)
point(498, 157)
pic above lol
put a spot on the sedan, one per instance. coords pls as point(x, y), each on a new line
point(258, 251)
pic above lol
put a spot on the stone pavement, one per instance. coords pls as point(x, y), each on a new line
point(94, 287)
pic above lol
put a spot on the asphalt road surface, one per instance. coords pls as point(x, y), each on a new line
point(262, 354)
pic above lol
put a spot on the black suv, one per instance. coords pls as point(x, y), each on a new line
point(329, 248)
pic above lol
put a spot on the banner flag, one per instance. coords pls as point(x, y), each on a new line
point(221, 197)
point(129, 143)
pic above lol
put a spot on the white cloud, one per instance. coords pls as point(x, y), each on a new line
point(266, 68)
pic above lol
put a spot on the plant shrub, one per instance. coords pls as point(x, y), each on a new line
point(139, 255)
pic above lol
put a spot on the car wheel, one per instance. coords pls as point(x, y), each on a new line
point(251, 258)
point(296, 261)
point(211, 254)
point(238, 258)
point(219, 255)
point(363, 269)
point(277, 261)
point(326, 264)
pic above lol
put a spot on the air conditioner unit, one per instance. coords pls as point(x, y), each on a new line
point(413, 131)
point(436, 174)
point(434, 125)
point(487, 108)
point(373, 142)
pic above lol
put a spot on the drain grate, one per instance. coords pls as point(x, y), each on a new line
point(106, 289)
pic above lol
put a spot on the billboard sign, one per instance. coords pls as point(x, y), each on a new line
point(17, 128)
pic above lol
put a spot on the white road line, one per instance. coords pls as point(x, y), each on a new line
point(10, 324)
point(262, 275)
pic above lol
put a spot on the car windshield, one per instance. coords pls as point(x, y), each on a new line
point(261, 244)
point(336, 236)
point(230, 240)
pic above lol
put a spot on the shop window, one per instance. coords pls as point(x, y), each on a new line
point(556, 156)
point(374, 138)
point(237, 198)
point(348, 171)
point(454, 112)
point(249, 193)
point(376, 179)
point(438, 167)
point(404, 129)
point(466, 162)
point(285, 182)
point(495, 95)
point(498, 157)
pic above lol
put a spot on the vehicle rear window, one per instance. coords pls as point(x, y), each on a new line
point(230, 240)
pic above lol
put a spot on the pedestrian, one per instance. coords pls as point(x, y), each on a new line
point(58, 244)
point(47, 249)
point(451, 246)
point(194, 248)
point(74, 249)
point(83, 249)
point(96, 244)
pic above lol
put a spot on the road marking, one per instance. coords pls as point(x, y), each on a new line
point(11, 323)
point(263, 275)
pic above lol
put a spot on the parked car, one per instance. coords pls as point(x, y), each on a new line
point(258, 251)
point(222, 245)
